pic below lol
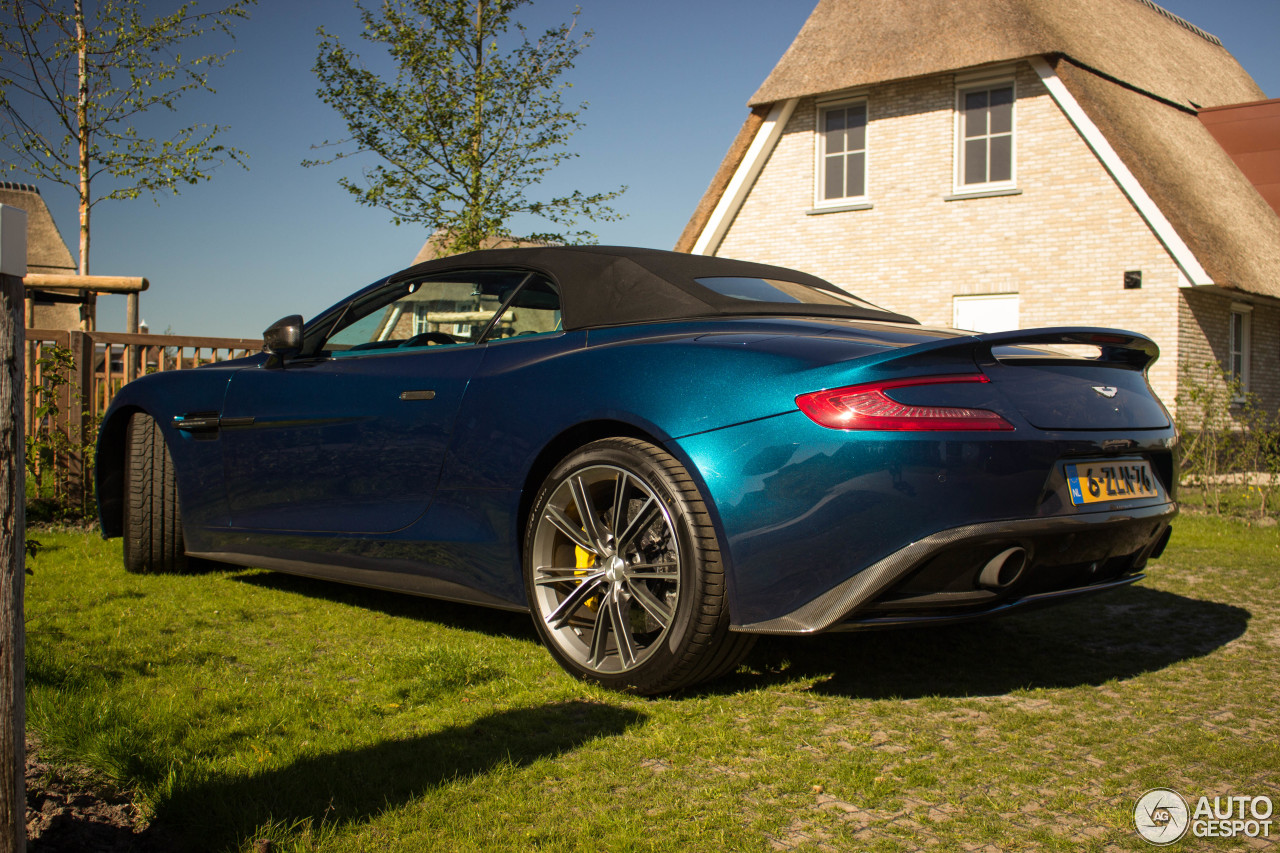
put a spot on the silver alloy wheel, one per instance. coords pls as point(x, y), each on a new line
point(606, 568)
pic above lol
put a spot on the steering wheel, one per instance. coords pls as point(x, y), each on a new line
point(439, 338)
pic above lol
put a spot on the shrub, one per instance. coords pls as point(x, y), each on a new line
point(1228, 440)
point(59, 457)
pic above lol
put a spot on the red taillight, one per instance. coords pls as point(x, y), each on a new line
point(869, 407)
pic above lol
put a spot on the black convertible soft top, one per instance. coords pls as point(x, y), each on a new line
point(616, 285)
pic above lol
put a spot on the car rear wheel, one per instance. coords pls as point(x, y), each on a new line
point(152, 520)
point(623, 571)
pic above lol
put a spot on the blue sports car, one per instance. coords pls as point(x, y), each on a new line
point(660, 456)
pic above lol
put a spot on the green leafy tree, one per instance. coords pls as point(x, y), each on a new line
point(74, 83)
point(471, 122)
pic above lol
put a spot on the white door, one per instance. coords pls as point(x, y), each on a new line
point(988, 313)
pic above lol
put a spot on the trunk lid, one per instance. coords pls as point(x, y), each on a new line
point(1075, 379)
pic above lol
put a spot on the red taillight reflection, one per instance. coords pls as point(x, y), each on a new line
point(869, 407)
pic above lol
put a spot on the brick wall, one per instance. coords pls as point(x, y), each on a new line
point(1063, 244)
point(1265, 356)
point(1204, 340)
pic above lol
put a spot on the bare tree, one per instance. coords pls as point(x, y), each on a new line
point(74, 83)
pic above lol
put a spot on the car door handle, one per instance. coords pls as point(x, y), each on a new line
point(417, 395)
point(208, 422)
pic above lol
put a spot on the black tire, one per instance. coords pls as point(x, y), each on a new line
point(152, 520)
point(654, 569)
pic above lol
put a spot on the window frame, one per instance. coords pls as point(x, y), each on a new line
point(821, 108)
point(324, 327)
point(1239, 345)
point(533, 278)
point(984, 84)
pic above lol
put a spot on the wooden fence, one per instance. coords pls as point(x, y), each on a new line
point(71, 378)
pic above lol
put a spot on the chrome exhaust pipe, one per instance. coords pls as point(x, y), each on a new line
point(1003, 569)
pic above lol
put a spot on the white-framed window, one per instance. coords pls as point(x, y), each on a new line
point(1238, 339)
point(984, 136)
point(842, 153)
point(990, 312)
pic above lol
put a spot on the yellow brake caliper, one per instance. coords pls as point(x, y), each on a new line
point(585, 560)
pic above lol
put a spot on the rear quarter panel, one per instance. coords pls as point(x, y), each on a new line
point(667, 381)
point(533, 401)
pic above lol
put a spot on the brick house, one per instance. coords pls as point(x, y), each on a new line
point(992, 164)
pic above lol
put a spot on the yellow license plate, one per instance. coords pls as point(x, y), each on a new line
point(1111, 480)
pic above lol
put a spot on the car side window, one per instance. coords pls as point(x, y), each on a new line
point(451, 309)
point(533, 310)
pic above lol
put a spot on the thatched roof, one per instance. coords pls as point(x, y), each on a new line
point(847, 43)
point(432, 248)
point(1138, 72)
point(1212, 205)
point(46, 252)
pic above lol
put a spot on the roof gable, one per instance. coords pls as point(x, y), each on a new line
point(1138, 73)
point(1221, 216)
point(850, 43)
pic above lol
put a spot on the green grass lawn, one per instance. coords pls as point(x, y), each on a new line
point(241, 705)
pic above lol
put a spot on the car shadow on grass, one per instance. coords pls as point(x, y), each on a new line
point(337, 788)
point(467, 617)
point(1115, 635)
point(1119, 635)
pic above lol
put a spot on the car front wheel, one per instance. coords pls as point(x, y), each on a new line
point(623, 571)
point(152, 520)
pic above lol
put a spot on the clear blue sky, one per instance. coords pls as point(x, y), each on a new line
point(667, 82)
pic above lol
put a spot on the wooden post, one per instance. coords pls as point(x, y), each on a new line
point(130, 327)
point(13, 533)
point(87, 283)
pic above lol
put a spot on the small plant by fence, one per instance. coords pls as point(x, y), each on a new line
point(71, 378)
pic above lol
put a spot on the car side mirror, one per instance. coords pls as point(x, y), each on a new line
point(283, 338)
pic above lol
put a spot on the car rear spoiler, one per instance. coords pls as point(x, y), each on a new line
point(1115, 348)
